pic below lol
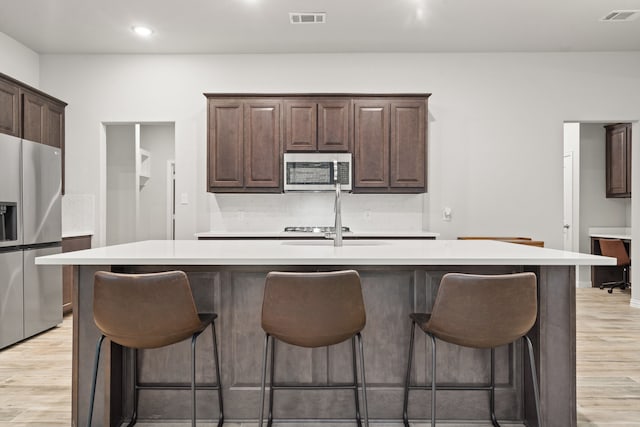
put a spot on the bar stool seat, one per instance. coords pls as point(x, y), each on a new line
point(313, 310)
point(146, 311)
point(477, 311)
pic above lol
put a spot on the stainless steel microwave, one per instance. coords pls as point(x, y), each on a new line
point(317, 171)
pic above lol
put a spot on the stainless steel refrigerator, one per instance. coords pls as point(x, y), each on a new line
point(30, 226)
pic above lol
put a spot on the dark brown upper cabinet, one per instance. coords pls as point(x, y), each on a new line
point(226, 144)
point(10, 118)
point(371, 144)
point(247, 134)
point(42, 119)
point(244, 152)
point(33, 116)
point(390, 143)
point(54, 124)
point(618, 160)
point(407, 154)
point(317, 124)
point(28, 113)
point(262, 144)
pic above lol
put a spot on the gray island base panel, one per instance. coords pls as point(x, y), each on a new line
point(391, 292)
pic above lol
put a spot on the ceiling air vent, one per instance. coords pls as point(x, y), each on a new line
point(621, 16)
point(307, 17)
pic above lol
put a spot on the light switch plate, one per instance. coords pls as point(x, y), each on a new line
point(446, 214)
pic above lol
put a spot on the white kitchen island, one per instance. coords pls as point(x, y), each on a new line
point(398, 277)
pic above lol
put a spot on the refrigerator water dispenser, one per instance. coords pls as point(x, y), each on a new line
point(8, 221)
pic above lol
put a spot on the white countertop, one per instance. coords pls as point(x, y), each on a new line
point(623, 233)
point(285, 234)
point(322, 252)
point(67, 234)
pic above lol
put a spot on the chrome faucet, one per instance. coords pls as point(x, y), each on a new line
point(337, 238)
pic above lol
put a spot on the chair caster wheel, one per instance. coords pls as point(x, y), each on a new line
point(610, 291)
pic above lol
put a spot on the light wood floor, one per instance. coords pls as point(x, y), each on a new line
point(35, 376)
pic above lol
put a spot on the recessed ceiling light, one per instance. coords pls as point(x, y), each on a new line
point(142, 31)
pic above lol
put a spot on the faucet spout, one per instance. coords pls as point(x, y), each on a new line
point(337, 239)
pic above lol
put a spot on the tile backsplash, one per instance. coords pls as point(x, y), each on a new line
point(78, 213)
point(273, 212)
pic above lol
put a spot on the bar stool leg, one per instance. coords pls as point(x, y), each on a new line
point(218, 378)
point(492, 395)
point(364, 382)
point(355, 380)
point(271, 375)
point(534, 378)
point(405, 415)
point(264, 374)
point(193, 380)
point(134, 414)
point(95, 378)
point(433, 380)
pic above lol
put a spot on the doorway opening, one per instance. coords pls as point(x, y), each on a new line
point(140, 182)
point(587, 209)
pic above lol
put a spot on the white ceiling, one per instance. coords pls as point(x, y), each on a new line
point(262, 26)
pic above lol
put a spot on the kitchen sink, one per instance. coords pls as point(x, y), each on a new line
point(329, 242)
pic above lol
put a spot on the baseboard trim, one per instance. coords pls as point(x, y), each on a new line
point(584, 284)
point(635, 303)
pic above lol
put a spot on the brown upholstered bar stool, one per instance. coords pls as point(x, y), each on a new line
point(615, 248)
point(313, 310)
point(143, 311)
point(479, 312)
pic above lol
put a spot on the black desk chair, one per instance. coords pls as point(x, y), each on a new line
point(615, 248)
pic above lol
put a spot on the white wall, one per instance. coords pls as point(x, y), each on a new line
point(158, 139)
point(495, 123)
point(121, 190)
point(18, 61)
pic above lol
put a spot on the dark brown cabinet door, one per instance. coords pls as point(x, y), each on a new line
point(33, 116)
point(54, 125)
point(334, 132)
point(9, 108)
point(408, 144)
point(317, 124)
point(54, 130)
point(300, 118)
point(618, 160)
point(371, 143)
point(226, 148)
point(262, 144)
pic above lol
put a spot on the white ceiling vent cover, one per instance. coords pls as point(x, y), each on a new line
point(621, 16)
point(307, 17)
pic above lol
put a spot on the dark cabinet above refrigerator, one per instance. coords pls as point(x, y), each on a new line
point(28, 113)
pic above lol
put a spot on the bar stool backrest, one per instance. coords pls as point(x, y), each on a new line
point(144, 310)
point(615, 248)
point(484, 311)
point(313, 309)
